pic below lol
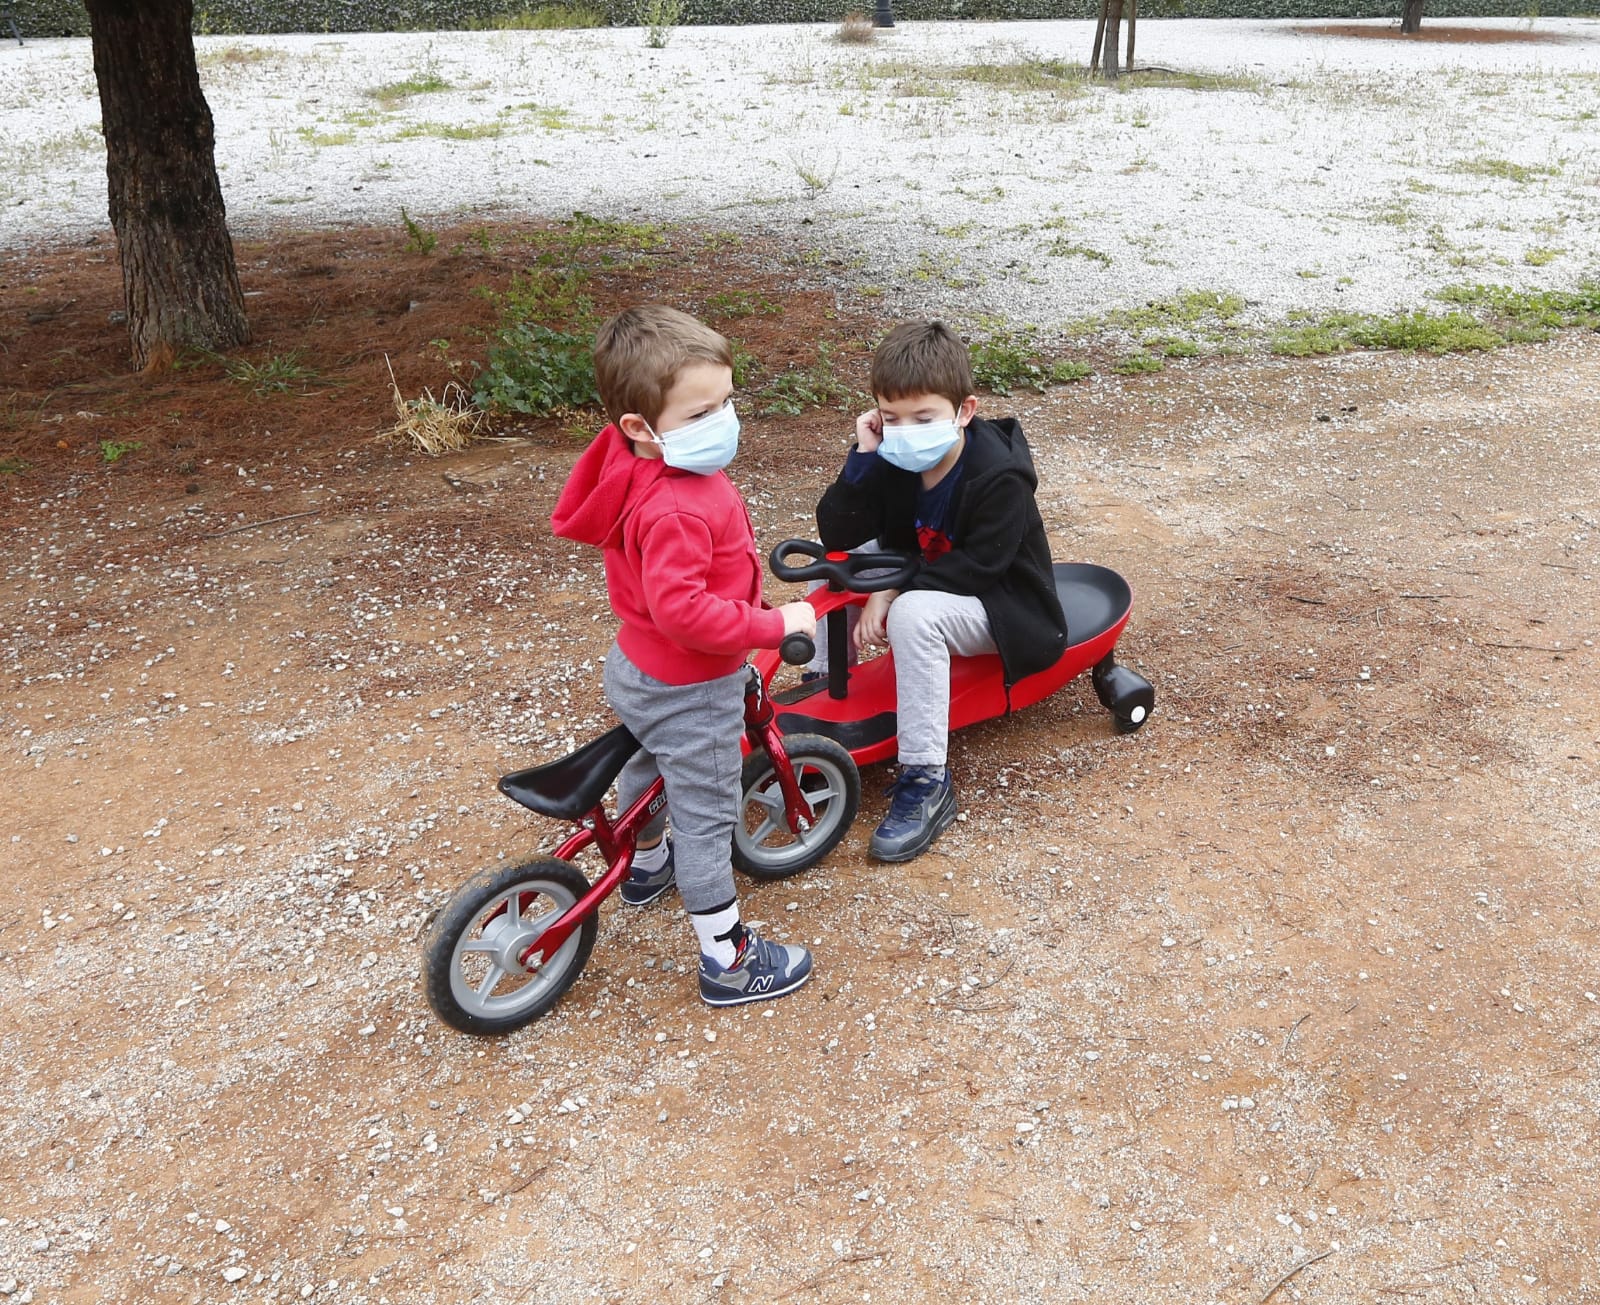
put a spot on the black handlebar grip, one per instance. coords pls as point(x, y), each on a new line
point(797, 649)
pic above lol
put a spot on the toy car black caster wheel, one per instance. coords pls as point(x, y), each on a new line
point(764, 847)
point(470, 968)
point(1127, 695)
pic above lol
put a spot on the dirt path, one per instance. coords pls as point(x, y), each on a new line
point(1303, 969)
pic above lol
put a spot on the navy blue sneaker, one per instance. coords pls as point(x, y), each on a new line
point(761, 970)
point(642, 887)
point(922, 804)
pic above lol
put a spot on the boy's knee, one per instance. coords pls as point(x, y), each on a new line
point(910, 617)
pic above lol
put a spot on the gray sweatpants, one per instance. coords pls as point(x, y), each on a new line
point(690, 734)
point(925, 628)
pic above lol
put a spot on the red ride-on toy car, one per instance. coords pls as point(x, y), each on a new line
point(855, 705)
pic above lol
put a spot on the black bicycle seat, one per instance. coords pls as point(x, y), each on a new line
point(571, 788)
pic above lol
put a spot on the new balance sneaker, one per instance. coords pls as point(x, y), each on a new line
point(922, 804)
point(642, 887)
point(761, 970)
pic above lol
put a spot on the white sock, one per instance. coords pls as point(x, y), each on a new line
point(650, 859)
point(719, 932)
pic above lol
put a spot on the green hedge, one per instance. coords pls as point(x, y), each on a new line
point(69, 18)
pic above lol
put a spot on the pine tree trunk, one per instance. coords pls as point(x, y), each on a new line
point(178, 274)
point(1133, 21)
point(1099, 36)
point(1411, 16)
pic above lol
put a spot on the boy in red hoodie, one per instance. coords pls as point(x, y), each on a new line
point(684, 579)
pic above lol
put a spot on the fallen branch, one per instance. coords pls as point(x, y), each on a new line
point(1306, 1263)
point(270, 521)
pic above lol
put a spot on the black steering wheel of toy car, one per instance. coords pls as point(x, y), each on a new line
point(844, 570)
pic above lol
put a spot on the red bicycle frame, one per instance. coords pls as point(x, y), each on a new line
point(617, 840)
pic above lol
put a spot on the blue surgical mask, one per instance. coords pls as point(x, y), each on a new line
point(918, 447)
point(705, 446)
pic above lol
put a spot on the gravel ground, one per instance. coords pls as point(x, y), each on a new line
point(1318, 172)
point(1297, 983)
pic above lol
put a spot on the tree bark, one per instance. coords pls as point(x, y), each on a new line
point(1109, 61)
point(1411, 16)
point(1133, 19)
point(1099, 36)
point(179, 279)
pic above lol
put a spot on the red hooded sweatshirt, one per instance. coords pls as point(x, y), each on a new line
point(681, 565)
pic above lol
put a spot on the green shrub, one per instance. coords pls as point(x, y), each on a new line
point(537, 370)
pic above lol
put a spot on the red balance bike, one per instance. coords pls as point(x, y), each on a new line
point(513, 939)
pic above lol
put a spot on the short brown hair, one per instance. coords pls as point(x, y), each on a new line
point(639, 353)
point(922, 357)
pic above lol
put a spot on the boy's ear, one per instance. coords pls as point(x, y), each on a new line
point(634, 426)
point(967, 410)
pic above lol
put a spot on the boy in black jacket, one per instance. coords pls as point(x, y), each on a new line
point(927, 476)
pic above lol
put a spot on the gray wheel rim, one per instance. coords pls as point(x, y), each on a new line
point(485, 979)
point(766, 797)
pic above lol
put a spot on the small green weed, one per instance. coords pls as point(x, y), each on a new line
point(1539, 256)
point(451, 130)
point(279, 374)
point(547, 116)
point(1067, 80)
point(111, 450)
point(1172, 346)
point(1162, 79)
point(392, 93)
point(1431, 332)
point(317, 139)
point(1010, 358)
point(583, 235)
point(1415, 331)
point(1064, 248)
point(1066, 370)
point(1521, 173)
point(12, 466)
point(813, 175)
point(416, 238)
point(1530, 314)
point(546, 292)
point(799, 389)
point(729, 304)
point(1137, 363)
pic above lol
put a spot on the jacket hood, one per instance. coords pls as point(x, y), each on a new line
point(604, 481)
point(998, 447)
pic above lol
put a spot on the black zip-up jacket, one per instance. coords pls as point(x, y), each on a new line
point(1001, 555)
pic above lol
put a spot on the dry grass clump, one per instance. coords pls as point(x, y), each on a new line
point(433, 426)
point(856, 29)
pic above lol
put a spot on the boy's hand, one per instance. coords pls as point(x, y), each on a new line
point(869, 431)
point(873, 627)
point(799, 618)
